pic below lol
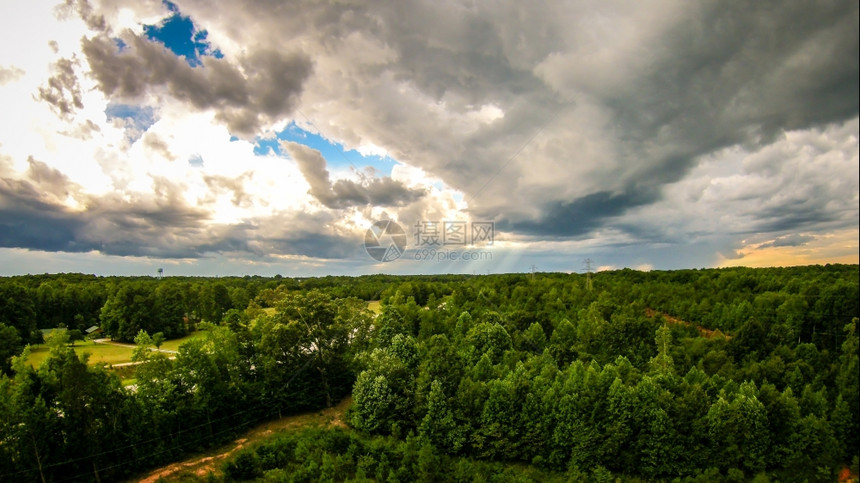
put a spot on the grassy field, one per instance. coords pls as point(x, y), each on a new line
point(114, 354)
point(110, 354)
point(101, 352)
point(173, 345)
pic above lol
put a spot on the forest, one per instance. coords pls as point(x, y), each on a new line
point(729, 374)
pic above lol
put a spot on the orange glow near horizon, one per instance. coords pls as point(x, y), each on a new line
point(839, 247)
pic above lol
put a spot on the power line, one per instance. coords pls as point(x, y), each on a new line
point(172, 434)
point(588, 270)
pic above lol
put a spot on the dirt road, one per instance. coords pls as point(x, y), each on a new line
point(201, 465)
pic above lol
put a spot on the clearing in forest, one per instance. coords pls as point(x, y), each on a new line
point(111, 353)
point(704, 332)
point(200, 465)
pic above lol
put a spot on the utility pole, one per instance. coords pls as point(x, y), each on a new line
point(588, 270)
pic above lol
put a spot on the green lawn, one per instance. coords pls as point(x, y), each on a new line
point(374, 306)
point(110, 354)
point(173, 345)
point(101, 352)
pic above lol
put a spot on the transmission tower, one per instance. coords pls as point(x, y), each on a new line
point(588, 270)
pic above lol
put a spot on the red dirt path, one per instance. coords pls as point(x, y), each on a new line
point(704, 332)
point(200, 466)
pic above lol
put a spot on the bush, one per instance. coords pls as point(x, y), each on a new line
point(246, 466)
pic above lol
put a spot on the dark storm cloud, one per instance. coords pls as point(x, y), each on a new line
point(579, 217)
point(731, 73)
point(28, 222)
point(742, 72)
point(163, 225)
point(795, 240)
point(601, 99)
point(728, 74)
point(374, 191)
point(263, 90)
point(795, 216)
point(555, 119)
point(298, 233)
point(347, 193)
point(652, 89)
point(804, 182)
point(309, 242)
point(33, 216)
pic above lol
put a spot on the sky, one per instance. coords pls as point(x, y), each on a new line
point(263, 137)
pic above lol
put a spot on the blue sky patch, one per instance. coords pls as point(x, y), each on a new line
point(179, 34)
point(140, 117)
point(196, 161)
point(334, 153)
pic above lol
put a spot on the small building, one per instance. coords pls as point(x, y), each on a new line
point(94, 330)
